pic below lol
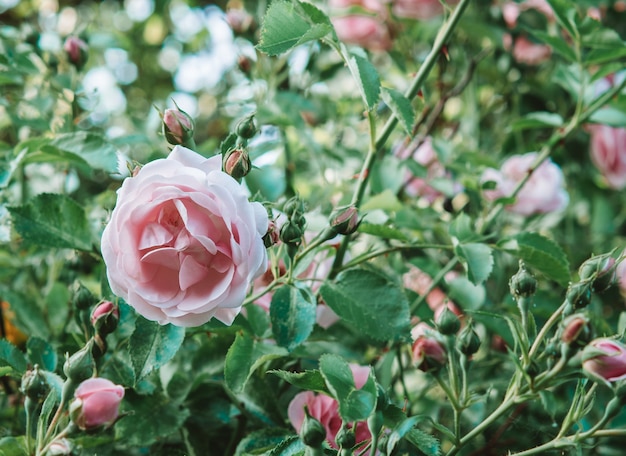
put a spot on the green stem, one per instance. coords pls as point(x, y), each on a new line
point(544, 330)
point(444, 34)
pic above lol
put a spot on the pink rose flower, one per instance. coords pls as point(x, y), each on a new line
point(325, 409)
point(512, 10)
point(361, 22)
point(184, 243)
point(544, 192)
point(427, 352)
point(96, 403)
point(608, 153)
point(605, 359)
point(418, 9)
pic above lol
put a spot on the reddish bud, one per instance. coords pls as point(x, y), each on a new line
point(237, 163)
point(428, 354)
point(575, 328)
point(96, 403)
point(177, 126)
point(345, 220)
point(105, 317)
point(605, 360)
point(272, 236)
point(76, 50)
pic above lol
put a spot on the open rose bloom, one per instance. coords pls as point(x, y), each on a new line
point(605, 359)
point(184, 243)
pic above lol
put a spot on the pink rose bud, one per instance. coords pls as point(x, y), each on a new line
point(608, 153)
point(104, 317)
point(575, 327)
point(345, 220)
point(428, 353)
point(272, 236)
point(177, 126)
point(96, 403)
point(76, 50)
point(237, 163)
point(605, 359)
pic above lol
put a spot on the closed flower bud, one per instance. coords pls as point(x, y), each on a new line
point(312, 432)
point(83, 299)
point(293, 207)
point(428, 354)
point(34, 384)
point(105, 317)
point(290, 233)
point(76, 50)
point(272, 236)
point(575, 329)
point(246, 127)
point(178, 126)
point(448, 323)
point(579, 294)
point(523, 284)
point(96, 403)
point(81, 364)
point(605, 360)
point(600, 270)
point(237, 163)
point(345, 437)
point(345, 220)
point(468, 342)
point(60, 447)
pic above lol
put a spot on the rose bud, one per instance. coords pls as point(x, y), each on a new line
point(523, 284)
point(83, 299)
point(105, 317)
point(579, 294)
point(60, 447)
point(605, 359)
point(345, 220)
point(312, 431)
point(428, 354)
point(468, 342)
point(237, 163)
point(96, 403)
point(76, 50)
point(291, 233)
point(177, 126)
point(34, 384)
point(272, 236)
point(600, 270)
point(448, 323)
point(575, 329)
point(81, 364)
point(246, 127)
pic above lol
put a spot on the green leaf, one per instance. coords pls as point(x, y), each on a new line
point(354, 404)
point(609, 116)
point(397, 420)
point(152, 345)
point(310, 380)
point(461, 228)
point(292, 313)
point(401, 108)
point(12, 357)
point(153, 418)
point(366, 77)
point(374, 305)
point(598, 56)
point(13, 446)
point(565, 13)
point(90, 147)
point(556, 42)
point(382, 231)
point(538, 119)
point(244, 357)
point(41, 352)
point(287, 25)
point(477, 259)
point(262, 441)
point(387, 201)
point(540, 253)
point(53, 220)
point(603, 38)
point(292, 446)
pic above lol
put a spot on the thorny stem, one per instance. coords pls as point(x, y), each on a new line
point(411, 92)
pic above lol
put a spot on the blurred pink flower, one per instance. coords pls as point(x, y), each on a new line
point(605, 359)
point(418, 9)
point(427, 352)
point(608, 153)
point(326, 409)
point(512, 10)
point(361, 22)
point(544, 192)
point(424, 154)
point(529, 53)
point(419, 282)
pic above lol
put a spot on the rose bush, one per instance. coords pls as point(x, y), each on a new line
point(544, 192)
point(184, 243)
point(96, 403)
